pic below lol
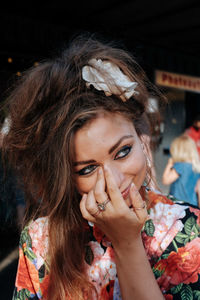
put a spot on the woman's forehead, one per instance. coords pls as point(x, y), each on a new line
point(102, 133)
point(103, 116)
point(116, 123)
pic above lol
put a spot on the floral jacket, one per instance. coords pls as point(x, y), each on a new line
point(171, 237)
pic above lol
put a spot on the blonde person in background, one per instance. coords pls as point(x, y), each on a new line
point(182, 171)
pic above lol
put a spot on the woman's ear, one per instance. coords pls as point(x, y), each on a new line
point(145, 140)
point(145, 143)
point(146, 147)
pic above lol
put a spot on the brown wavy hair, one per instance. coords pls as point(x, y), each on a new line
point(47, 107)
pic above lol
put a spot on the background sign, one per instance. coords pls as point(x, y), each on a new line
point(179, 81)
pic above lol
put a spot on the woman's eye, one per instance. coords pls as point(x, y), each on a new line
point(123, 152)
point(87, 170)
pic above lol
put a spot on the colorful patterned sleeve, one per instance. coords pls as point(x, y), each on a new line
point(32, 280)
point(172, 240)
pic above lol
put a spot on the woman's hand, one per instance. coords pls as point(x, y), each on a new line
point(120, 223)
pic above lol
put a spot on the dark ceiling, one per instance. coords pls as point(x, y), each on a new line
point(34, 30)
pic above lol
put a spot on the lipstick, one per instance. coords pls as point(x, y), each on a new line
point(125, 193)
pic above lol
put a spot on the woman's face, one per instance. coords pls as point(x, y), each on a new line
point(110, 140)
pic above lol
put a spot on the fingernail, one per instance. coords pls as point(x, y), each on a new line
point(132, 186)
point(84, 196)
point(106, 168)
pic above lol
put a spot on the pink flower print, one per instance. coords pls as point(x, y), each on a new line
point(103, 268)
point(167, 224)
point(97, 250)
point(182, 266)
point(38, 231)
point(196, 211)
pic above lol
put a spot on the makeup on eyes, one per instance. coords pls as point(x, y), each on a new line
point(126, 148)
point(92, 167)
point(84, 172)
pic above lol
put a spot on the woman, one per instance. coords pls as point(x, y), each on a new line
point(76, 135)
point(182, 171)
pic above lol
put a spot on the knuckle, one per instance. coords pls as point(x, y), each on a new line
point(97, 193)
point(111, 189)
point(84, 214)
point(89, 206)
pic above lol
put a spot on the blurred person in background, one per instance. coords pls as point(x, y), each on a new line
point(183, 170)
point(194, 131)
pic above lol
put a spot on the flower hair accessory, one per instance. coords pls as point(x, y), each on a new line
point(120, 84)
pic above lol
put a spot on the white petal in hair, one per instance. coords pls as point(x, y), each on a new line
point(93, 75)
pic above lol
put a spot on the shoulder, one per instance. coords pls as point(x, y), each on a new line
point(34, 237)
point(166, 210)
point(167, 220)
point(161, 203)
point(35, 229)
point(182, 166)
point(38, 228)
point(32, 273)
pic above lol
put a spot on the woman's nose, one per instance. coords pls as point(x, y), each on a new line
point(117, 174)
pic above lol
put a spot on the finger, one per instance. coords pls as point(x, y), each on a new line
point(139, 205)
point(91, 204)
point(99, 189)
point(84, 210)
point(112, 188)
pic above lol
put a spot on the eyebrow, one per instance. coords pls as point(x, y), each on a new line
point(92, 161)
point(119, 142)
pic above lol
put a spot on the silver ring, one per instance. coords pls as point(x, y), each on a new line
point(102, 206)
point(142, 207)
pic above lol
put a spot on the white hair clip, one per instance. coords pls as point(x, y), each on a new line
point(93, 75)
point(6, 126)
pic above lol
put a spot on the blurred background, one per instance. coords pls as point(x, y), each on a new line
point(164, 37)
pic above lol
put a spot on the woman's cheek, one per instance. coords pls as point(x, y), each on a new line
point(85, 184)
point(137, 163)
point(138, 168)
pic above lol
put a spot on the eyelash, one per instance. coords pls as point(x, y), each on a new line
point(127, 149)
point(124, 148)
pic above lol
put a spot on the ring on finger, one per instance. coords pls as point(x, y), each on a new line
point(102, 206)
point(142, 207)
point(96, 213)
